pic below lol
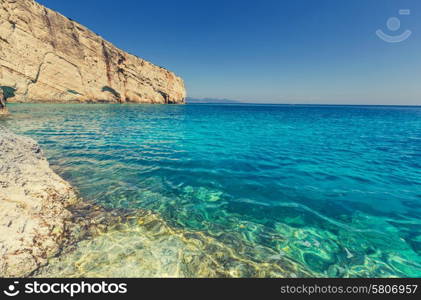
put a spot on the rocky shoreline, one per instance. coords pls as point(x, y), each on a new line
point(46, 230)
point(33, 206)
point(41, 215)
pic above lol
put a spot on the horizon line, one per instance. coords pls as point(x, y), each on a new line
point(232, 101)
point(303, 104)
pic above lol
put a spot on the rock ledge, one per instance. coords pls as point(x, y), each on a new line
point(33, 206)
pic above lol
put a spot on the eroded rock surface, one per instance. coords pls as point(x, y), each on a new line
point(33, 202)
point(45, 56)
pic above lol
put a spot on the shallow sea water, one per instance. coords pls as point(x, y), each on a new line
point(324, 190)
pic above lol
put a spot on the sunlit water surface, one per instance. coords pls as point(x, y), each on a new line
point(335, 190)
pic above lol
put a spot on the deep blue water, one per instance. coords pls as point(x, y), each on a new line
point(337, 189)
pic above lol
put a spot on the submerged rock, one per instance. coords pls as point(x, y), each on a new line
point(33, 202)
point(48, 57)
point(142, 245)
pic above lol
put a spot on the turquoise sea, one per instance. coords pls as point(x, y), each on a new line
point(334, 189)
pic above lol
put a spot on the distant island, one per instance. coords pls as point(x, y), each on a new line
point(212, 100)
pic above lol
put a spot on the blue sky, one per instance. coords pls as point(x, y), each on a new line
point(295, 51)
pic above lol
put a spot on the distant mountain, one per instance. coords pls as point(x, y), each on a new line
point(211, 100)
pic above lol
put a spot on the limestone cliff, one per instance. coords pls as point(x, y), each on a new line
point(45, 56)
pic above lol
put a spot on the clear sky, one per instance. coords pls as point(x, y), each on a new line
point(283, 51)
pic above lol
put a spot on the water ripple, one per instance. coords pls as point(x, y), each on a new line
point(332, 190)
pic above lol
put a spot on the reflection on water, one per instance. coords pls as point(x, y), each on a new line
point(281, 191)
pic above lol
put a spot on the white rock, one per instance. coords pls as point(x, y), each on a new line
point(33, 201)
point(47, 57)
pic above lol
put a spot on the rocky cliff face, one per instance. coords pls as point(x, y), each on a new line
point(45, 56)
